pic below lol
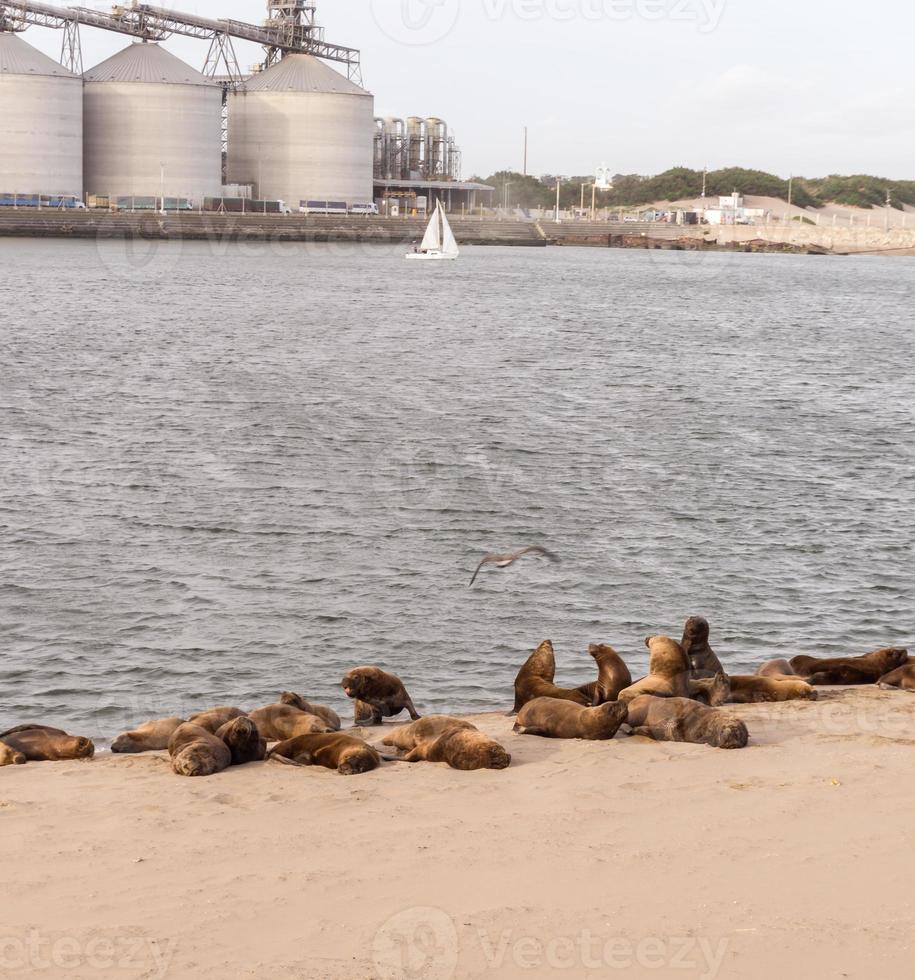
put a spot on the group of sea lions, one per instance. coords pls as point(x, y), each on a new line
point(679, 700)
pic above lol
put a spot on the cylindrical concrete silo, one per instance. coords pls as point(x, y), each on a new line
point(152, 126)
point(301, 131)
point(41, 123)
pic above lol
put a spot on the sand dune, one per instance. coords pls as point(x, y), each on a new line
point(634, 859)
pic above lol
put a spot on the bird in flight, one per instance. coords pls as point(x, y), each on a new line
point(503, 561)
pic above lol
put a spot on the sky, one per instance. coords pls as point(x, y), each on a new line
point(806, 88)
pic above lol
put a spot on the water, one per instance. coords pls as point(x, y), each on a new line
point(227, 471)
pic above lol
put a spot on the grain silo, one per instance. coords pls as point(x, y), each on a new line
point(41, 122)
point(300, 131)
point(152, 127)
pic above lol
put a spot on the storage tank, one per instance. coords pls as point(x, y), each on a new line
point(41, 122)
point(436, 147)
point(302, 132)
point(416, 142)
point(152, 126)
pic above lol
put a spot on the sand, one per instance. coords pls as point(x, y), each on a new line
point(791, 858)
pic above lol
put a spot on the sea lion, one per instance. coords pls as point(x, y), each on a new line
point(333, 750)
point(40, 743)
point(613, 675)
point(867, 669)
point(902, 678)
point(682, 720)
point(215, 718)
point(440, 738)
point(152, 736)
point(331, 717)
point(702, 659)
point(280, 722)
point(243, 741)
point(11, 757)
point(535, 680)
point(762, 690)
point(196, 752)
point(668, 671)
point(553, 718)
point(776, 668)
point(378, 695)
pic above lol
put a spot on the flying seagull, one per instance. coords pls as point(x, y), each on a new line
point(503, 561)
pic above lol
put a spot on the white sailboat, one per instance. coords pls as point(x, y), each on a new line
point(439, 242)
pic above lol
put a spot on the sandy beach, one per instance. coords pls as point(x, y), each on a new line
point(629, 858)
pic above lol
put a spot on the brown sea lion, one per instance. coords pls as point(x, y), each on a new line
point(762, 690)
point(280, 722)
point(903, 678)
point(348, 755)
point(668, 671)
point(215, 718)
point(10, 757)
point(440, 738)
point(682, 720)
point(378, 692)
point(850, 670)
point(196, 752)
point(702, 659)
point(243, 741)
point(330, 716)
point(152, 736)
point(535, 680)
point(553, 718)
point(776, 668)
point(613, 675)
point(40, 743)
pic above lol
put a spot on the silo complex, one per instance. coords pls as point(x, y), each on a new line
point(41, 123)
point(300, 131)
point(152, 126)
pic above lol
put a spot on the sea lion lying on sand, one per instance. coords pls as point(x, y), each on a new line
point(348, 755)
point(280, 722)
point(668, 671)
point(552, 718)
point(152, 736)
point(702, 659)
point(535, 680)
point(196, 752)
point(776, 668)
point(613, 675)
point(682, 720)
point(762, 690)
point(40, 743)
point(243, 741)
point(440, 738)
point(378, 695)
point(850, 670)
point(903, 678)
point(331, 717)
point(215, 718)
point(10, 757)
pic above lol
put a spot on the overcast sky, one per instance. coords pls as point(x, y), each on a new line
point(812, 87)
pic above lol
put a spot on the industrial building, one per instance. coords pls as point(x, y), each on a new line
point(144, 124)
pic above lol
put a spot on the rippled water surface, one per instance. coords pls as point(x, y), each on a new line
point(229, 471)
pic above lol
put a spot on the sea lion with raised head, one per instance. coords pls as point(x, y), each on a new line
point(702, 660)
point(458, 743)
point(196, 752)
point(215, 718)
point(151, 736)
point(327, 714)
point(683, 720)
point(552, 718)
point(41, 743)
point(350, 756)
point(613, 675)
point(280, 722)
point(535, 680)
point(903, 679)
point(867, 669)
point(668, 671)
point(243, 740)
point(378, 695)
point(766, 690)
point(776, 668)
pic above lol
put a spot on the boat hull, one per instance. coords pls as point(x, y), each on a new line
point(430, 256)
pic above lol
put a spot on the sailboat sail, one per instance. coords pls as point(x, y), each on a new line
point(432, 239)
point(449, 243)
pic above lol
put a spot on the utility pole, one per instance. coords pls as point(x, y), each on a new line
point(704, 182)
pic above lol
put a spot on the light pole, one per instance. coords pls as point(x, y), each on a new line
point(558, 179)
point(505, 187)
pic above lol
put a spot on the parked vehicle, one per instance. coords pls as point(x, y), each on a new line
point(322, 207)
point(41, 201)
point(241, 205)
point(364, 209)
point(131, 203)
